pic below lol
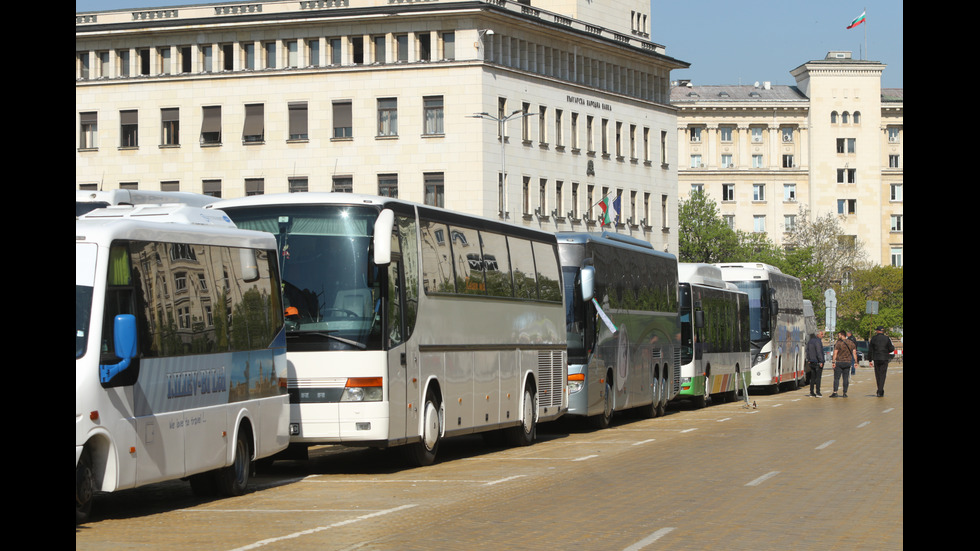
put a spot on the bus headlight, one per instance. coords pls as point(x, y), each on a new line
point(763, 356)
point(362, 389)
point(576, 381)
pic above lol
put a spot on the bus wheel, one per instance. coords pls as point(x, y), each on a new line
point(423, 453)
point(604, 419)
point(525, 434)
point(84, 488)
point(233, 479)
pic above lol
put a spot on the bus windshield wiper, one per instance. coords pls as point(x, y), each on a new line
point(327, 334)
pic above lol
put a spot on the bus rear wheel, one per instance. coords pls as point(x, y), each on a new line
point(233, 479)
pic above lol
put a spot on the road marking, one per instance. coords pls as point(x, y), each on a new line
point(825, 444)
point(762, 478)
point(777, 405)
point(295, 535)
point(889, 410)
point(864, 424)
point(647, 441)
point(688, 430)
point(649, 539)
point(723, 420)
point(584, 458)
point(508, 479)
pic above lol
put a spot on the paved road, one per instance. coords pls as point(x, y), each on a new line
point(793, 473)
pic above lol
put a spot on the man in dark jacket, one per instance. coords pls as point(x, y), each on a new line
point(814, 356)
point(880, 349)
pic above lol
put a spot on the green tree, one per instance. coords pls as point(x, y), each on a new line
point(832, 250)
point(884, 284)
point(702, 235)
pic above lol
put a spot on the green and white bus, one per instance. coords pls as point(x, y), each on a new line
point(407, 324)
point(715, 351)
point(180, 353)
point(621, 314)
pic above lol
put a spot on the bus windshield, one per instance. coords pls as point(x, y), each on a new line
point(331, 293)
point(758, 292)
point(687, 324)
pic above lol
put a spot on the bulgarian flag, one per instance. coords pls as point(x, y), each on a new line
point(610, 210)
point(858, 21)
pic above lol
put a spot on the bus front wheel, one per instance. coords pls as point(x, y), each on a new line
point(525, 434)
point(423, 453)
point(84, 488)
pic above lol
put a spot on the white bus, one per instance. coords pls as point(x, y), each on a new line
point(776, 316)
point(86, 201)
point(179, 351)
point(622, 322)
point(715, 354)
point(407, 323)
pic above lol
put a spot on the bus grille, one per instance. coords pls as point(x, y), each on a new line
point(551, 364)
point(677, 369)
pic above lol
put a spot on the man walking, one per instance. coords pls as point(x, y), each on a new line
point(844, 353)
point(880, 349)
point(814, 356)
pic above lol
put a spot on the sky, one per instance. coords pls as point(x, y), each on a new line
point(730, 42)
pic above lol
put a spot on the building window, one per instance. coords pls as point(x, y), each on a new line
point(757, 161)
point(696, 161)
point(758, 192)
point(122, 61)
point(424, 41)
point(336, 52)
point(435, 190)
point(342, 117)
point(729, 220)
point(574, 212)
point(896, 254)
point(619, 140)
point(88, 134)
point(664, 212)
point(248, 50)
point(145, 64)
point(254, 186)
point(170, 126)
point(663, 148)
point(590, 140)
point(228, 57)
point(697, 188)
point(897, 223)
point(759, 223)
point(163, 54)
point(211, 125)
point(433, 115)
point(726, 133)
point(756, 134)
point(728, 192)
point(542, 197)
point(84, 72)
point(542, 125)
point(895, 192)
point(211, 188)
point(292, 53)
point(186, 59)
point(270, 55)
point(170, 185)
point(449, 46)
point(787, 132)
point(846, 175)
point(298, 121)
point(129, 128)
point(695, 134)
point(357, 50)
point(846, 206)
point(343, 184)
point(401, 47)
point(254, 129)
point(894, 135)
point(789, 223)
point(788, 161)
point(789, 193)
point(298, 185)
point(526, 195)
point(846, 145)
point(604, 137)
point(379, 49)
point(387, 117)
point(559, 131)
point(526, 122)
point(893, 161)
point(388, 185)
point(313, 52)
point(726, 161)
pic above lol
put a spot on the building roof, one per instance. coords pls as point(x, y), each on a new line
point(893, 94)
point(762, 93)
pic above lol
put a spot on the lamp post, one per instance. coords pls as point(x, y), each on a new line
point(502, 134)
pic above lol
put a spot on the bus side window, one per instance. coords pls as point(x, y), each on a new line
point(119, 299)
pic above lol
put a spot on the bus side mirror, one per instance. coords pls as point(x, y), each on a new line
point(124, 336)
point(588, 283)
point(699, 319)
point(382, 237)
point(250, 266)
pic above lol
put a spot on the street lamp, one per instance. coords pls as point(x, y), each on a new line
point(502, 134)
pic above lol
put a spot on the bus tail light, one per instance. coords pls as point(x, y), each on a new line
point(362, 389)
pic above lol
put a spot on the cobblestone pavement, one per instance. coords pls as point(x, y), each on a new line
point(793, 472)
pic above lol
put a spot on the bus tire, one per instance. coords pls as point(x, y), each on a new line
point(423, 452)
point(650, 411)
point(84, 488)
point(525, 433)
point(604, 419)
point(233, 479)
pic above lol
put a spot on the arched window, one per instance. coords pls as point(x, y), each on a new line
point(833, 117)
point(843, 118)
point(857, 117)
